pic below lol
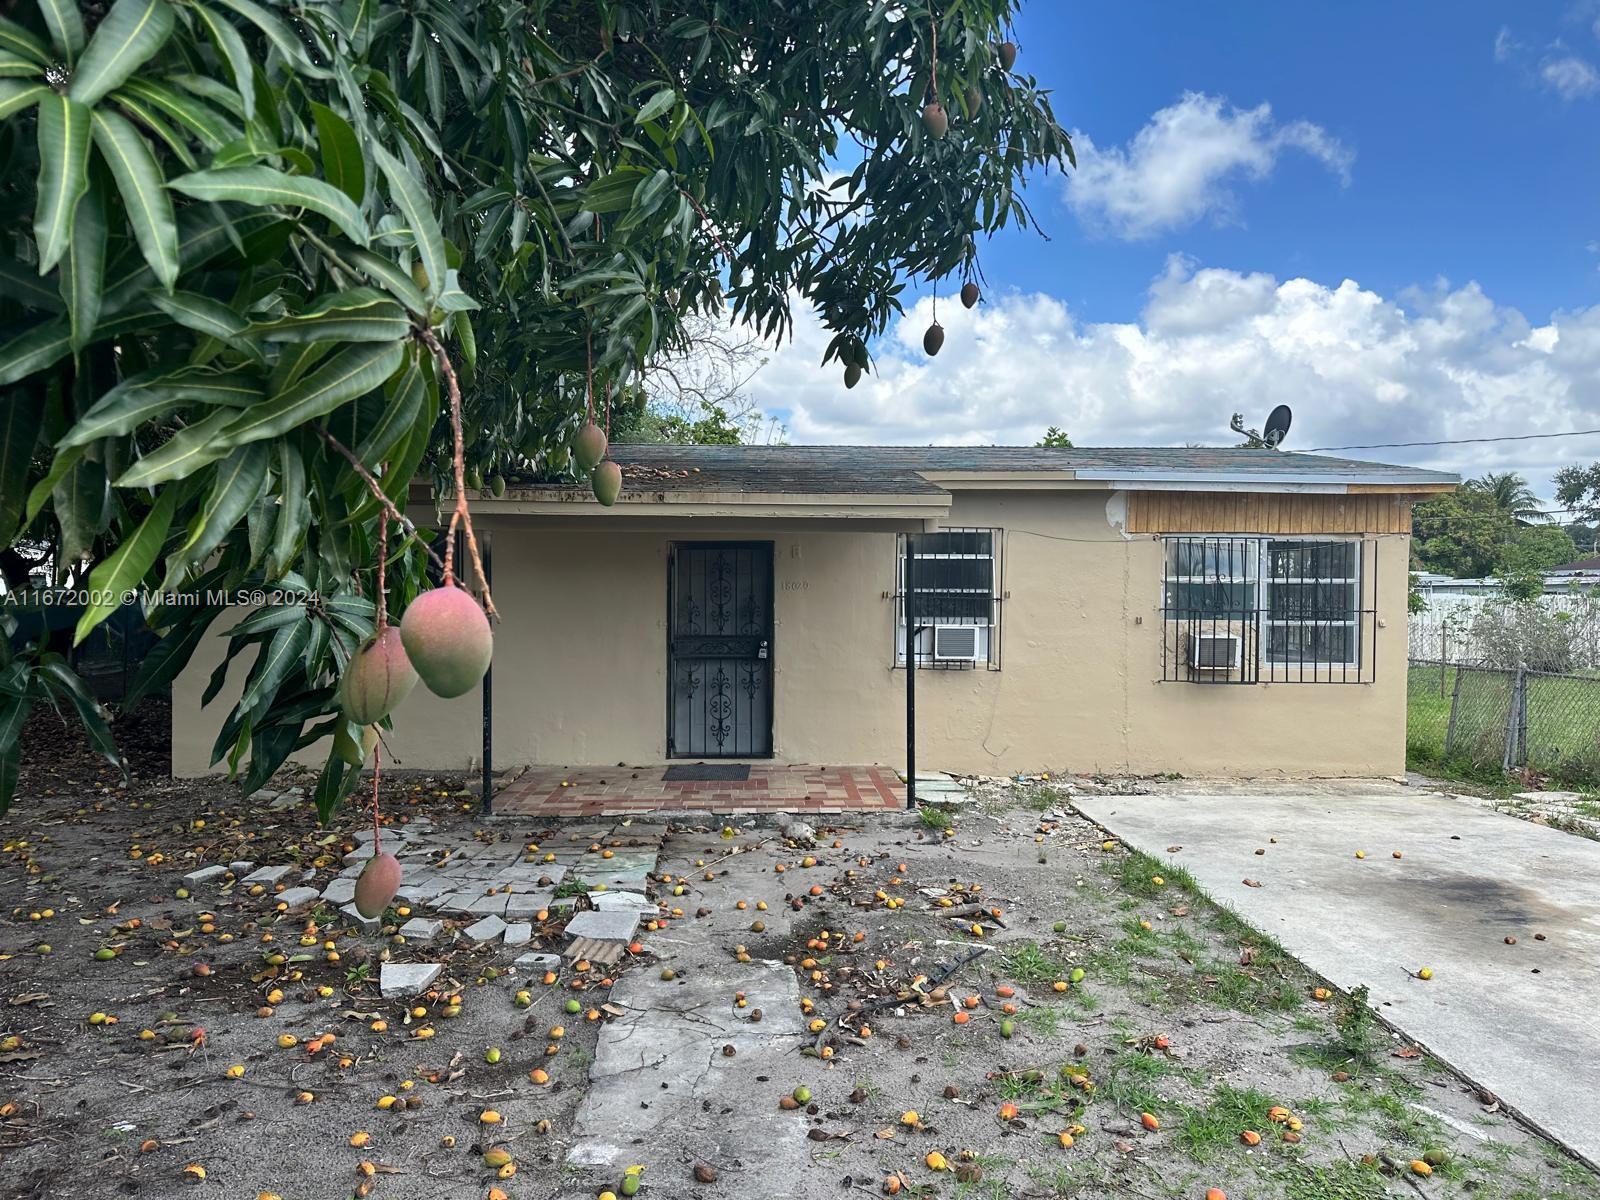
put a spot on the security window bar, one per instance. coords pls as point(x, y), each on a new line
point(956, 578)
point(1280, 610)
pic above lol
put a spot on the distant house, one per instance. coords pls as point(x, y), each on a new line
point(1220, 611)
point(1585, 571)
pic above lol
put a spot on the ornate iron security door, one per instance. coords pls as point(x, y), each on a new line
point(719, 650)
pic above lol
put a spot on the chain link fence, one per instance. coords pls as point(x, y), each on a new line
point(1490, 719)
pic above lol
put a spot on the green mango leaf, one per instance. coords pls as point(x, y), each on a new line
point(83, 275)
point(349, 373)
point(655, 106)
point(277, 32)
point(276, 659)
point(183, 455)
point(412, 200)
point(355, 315)
point(63, 174)
point(399, 415)
point(262, 186)
point(333, 785)
point(19, 433)
point(211, 128)
point(124, 41)
point(294, 510)
point(144, 397)
point(237, 485)
point(64, 684)
point(65, 23)
point(82, 506)
point(26, 288)
point(13, 716)
point(342, 163)
point(209, 317)
point(15, 95)
point(230, 44)
point(14, 39)
point(392, 279)
point(144, 197)
point(40, 496)
point(127, 566)
point(34, 349)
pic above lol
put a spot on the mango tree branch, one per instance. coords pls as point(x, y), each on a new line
point(461, 516)
point(377, 490)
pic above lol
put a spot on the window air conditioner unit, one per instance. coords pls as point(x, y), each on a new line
point(1215, 652)
point(955, 643)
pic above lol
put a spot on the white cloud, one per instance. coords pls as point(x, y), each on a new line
point(1571, 77)
point(1554, 67)
point(1181, 166)
point(1357, 367)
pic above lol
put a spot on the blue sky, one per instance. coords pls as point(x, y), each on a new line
point(1382, 214)
point(1464, 167)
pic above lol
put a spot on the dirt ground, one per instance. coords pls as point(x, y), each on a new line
point(1180, 1013)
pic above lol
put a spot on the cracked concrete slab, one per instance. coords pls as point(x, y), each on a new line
point(664, 1091)
point(1442, 883)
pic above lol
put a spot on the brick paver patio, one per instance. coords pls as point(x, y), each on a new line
point(627, 791)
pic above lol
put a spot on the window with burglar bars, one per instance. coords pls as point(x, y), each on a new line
point(1278, 610)
point(956, 606)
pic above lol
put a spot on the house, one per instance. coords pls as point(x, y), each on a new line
point(1205, 611)
point(1585, 572)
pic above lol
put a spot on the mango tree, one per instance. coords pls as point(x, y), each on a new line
point(254, 250)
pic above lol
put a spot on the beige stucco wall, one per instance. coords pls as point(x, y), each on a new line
point(580, 659)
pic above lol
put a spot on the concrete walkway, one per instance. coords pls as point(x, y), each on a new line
point(1522, 1020)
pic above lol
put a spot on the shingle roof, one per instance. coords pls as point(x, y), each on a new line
point(896, 470)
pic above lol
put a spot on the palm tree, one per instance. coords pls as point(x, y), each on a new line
point(1510, 493)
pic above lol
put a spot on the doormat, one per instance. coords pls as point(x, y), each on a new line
point(707, 773)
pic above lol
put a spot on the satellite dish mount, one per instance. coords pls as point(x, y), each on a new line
point(1269, 436)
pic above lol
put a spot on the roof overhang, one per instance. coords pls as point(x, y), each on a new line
point(908, 509)
point(1124, 480)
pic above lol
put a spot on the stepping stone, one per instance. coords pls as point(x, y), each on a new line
point(240, 867)
point(487, 929)
point(367, 925)
point(519, 933)
point(526, 905)
point(667, 1045)
point(205, 875)
point(490, 904)
point(622, 902)
point(406, 979)
point(421, 929)
point(457, 902)
point(615, 926)
point(538, 959)
point(340, 891)
point(297, 897)
point(359, 854)
point(268, 875)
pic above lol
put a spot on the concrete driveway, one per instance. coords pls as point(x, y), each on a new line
point(1522, 1020)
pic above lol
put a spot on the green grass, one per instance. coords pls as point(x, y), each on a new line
point(1129, 1083)
point(1030, 966)
point(1563, 713)
point(936, 818)
point(1338, 1181)
point(1206, 1132)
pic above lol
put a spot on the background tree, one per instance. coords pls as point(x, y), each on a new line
point(1055, 437)
point(253, 249)
point(1578, 491)
point(1461, 533)
point(1510, 493)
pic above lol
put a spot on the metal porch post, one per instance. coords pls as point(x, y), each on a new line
point(911, 680)
point(487, 805)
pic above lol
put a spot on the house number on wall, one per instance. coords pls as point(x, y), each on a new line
point(796, 585)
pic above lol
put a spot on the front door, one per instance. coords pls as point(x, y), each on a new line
point(719, 650)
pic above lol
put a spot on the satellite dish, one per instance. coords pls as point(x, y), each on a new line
point(1277, 427)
